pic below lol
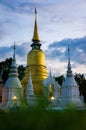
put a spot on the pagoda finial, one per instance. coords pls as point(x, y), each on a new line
point(35, 11)
point(69, 71)
point(14, 47)
point(30, 90)
point(35, 35)
point(68, 54)
point(13, 69)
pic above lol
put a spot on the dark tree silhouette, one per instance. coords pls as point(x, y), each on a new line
point(5, 67)
point(60, 79)
point(81, 81)
point(21, 70)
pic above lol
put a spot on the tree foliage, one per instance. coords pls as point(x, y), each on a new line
point(5, 67)
point(21, 70)
point(60, 79)
point(81, 81)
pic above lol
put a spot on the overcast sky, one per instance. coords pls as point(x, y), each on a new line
point(60, 23)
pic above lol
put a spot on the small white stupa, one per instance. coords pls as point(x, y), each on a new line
point(70, 89)
point(30, 97)
point(12, 93)
point(30, 91)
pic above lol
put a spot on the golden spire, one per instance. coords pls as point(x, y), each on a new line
point(35, 35)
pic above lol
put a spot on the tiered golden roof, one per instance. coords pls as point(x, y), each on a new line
point(35, 62)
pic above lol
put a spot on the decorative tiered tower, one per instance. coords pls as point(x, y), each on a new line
point(31, 99)
point(12, 92)
point(70, 89)
point(35, 61)
point(30, 92)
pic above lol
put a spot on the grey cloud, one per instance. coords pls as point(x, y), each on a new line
point(17, 6)
point(77, 46)
point(21, 51)
point(56, 50)
point(61, 19)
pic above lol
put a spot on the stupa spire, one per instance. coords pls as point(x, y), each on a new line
point(30, 90)
point(35, 35)
point(14, 47)
point(69, 65)
point(13, 69)
point(69, 71)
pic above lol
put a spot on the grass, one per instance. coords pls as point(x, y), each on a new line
point(37, 119)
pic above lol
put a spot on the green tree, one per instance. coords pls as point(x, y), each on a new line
point(4, 68)
point(60, 79)
point(81, 81)
point(21, 70)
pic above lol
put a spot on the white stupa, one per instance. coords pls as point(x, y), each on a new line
point(30, 91)
point(12, 93)
point(70, 89)
point(31, 99)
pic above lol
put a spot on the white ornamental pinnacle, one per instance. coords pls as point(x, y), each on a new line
point(69, 71)
point(13, 80)
point(13, 70)
point(30, 90)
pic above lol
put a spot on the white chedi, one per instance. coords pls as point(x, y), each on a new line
point(30, 91)
point(12, 92)
point(70, 89)
point(30, 97)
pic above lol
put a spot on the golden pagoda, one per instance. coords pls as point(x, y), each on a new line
point(35, 64)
